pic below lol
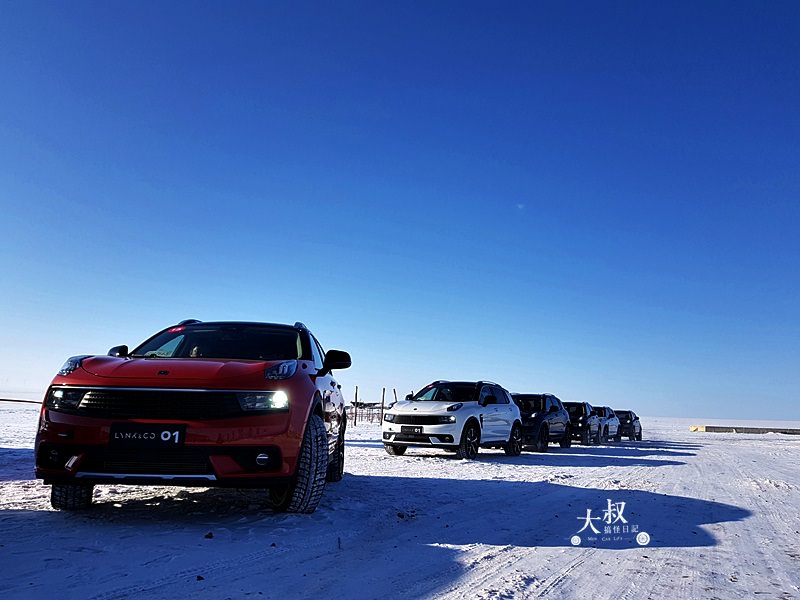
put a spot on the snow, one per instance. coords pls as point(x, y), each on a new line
point(722, 512)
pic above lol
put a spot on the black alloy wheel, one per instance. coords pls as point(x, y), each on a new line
point(470, 442)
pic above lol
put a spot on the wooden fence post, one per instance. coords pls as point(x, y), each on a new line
point(355, 409)
point(383, 396)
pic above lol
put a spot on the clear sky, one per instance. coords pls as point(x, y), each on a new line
point(593, 199)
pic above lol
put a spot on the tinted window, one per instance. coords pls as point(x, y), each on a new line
point(485, 392)
point(530, 402)
point(501, 395)
point(244, 342)
point(447, 392)
point(574, 409)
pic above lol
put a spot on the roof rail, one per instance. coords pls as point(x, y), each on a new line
point(300, 325)
point(189, 322)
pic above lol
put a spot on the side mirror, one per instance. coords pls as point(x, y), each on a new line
point(409, 397)
point(119, 351)
point(553, 409)
point(335, 359)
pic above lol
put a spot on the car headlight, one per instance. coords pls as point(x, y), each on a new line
point(452, 408)
point(263, 400)
point(282, 370)
point(72, 363)
point(447, 418)
point(389, 417)
point(64, 398)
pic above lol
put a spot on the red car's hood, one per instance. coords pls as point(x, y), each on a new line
point(177, 371)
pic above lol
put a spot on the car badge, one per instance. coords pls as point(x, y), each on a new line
point(163, 372)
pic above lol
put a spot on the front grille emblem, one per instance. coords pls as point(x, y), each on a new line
point(163, 372)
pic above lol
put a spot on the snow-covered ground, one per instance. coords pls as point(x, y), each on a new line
point(722, 512)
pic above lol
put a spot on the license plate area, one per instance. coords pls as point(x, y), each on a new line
point(147, 435)
point(410, 429)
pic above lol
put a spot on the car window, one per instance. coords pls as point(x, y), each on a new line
point(446, 392)
point(166, 350)
point(501, 395)
point(531, 403)
point(317, 353)
point(243, 342)
point(486, 390)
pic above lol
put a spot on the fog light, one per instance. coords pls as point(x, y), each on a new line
point(262, 460)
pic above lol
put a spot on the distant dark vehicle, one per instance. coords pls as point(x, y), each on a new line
point(629, 425)
point(584, 423)
point(609, 423)
point(544, 420)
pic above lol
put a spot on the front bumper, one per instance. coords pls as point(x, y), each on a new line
point(436, 436)
point(242, 452)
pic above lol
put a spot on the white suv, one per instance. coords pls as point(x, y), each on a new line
point(609, 423)
point(458, 416)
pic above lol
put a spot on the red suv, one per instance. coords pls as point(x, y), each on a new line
point(233, 404)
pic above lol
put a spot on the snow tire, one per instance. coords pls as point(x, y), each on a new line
point(543, 440)
point(395, 449)
point(566, 442)
point(514, 445)
point(305, 492)
point(69, 496)
point(470, 442)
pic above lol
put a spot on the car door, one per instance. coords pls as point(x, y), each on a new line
point(557, 423)
point(491, 419)
point(506, 413)
point(613, 423)
point(329, 389)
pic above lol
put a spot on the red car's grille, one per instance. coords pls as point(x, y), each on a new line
point(137, 460)
point(158, 404)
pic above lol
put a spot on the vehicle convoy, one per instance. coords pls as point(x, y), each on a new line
point(544, 420)
point(609, 424)
point(228, 404)
point(629, 425)
point(458, 416)
point(584, 422)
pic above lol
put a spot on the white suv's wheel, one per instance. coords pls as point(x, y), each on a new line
point(514, 445)
point(470, 441)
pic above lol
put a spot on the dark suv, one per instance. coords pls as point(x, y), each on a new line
point(584, 422)
point(629, 424)
point(544, 420)
point(234, 404)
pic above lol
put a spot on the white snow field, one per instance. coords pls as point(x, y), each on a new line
point(722, 512)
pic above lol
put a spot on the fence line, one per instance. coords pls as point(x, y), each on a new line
point(369, 412)
point(25, 401)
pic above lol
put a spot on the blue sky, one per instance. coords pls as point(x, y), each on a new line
point(598, 200)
